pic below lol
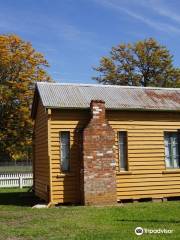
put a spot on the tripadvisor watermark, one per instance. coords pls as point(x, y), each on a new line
point(140, 231)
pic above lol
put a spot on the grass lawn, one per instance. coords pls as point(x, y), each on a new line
point(18, 221)
point(15, 169)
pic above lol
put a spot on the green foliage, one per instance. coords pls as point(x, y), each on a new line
point(20, 67)
point(145, 63)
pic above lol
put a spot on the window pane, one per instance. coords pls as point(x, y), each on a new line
point(123, 150)
point(65, 150)
point(167, 150)
point(175, 154)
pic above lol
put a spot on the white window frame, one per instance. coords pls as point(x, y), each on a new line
point(171, 142)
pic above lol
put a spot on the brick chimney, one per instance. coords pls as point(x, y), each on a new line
point(97, 111)
point(99, 173)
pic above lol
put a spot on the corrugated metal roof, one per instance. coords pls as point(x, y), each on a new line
point(56, 95)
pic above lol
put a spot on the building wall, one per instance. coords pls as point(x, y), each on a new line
point(41, 159)
point(66, 187)
point(147, 176)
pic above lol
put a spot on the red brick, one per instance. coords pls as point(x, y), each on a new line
point(99, 176)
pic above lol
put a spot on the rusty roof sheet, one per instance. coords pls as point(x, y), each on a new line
point(58, 95)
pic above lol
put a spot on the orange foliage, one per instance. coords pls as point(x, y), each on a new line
point(20, 67)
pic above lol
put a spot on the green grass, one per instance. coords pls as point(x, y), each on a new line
point(18, 221)
point(14, 169)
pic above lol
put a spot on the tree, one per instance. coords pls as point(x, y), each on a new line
point(145, 63)
point(20, 67)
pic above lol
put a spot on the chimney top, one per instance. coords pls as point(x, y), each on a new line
point(98, 110)
point(97, 101)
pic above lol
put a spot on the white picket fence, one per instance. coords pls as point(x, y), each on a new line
point(8, 180)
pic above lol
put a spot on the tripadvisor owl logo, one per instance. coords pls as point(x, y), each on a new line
point(139, 231)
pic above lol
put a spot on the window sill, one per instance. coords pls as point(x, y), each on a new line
point(124, 173)
point(171, 171)
point(65, 174)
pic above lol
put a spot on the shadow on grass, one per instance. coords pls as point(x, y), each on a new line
point(18, 198)
point(148, 221)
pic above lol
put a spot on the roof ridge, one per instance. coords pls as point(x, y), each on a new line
point(101, 85)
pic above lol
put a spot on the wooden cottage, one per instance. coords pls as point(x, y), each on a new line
point(99, 144)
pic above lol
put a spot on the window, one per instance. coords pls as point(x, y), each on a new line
point(171, 150)
point(65, 150)
point(123, 151)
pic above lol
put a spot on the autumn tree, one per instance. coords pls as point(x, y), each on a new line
point(145, 63)
point(20, 67)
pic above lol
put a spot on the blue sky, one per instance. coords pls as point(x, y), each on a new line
point(74, 34)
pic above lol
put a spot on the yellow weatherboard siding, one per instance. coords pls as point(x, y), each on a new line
point(41, 159)
point(146, 153)
point(66, 186)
